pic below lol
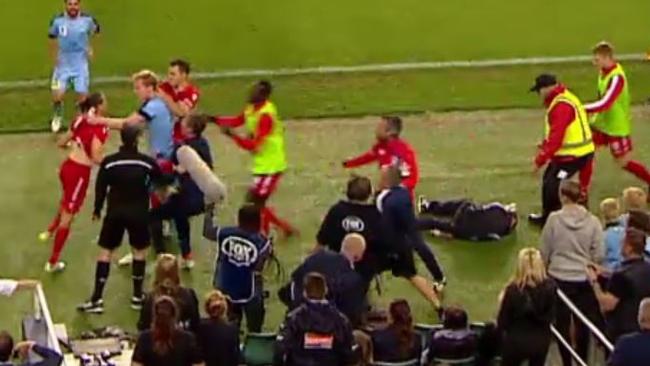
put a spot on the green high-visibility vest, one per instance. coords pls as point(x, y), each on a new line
point(616, 121)
point(577, 138)
point(270, 157)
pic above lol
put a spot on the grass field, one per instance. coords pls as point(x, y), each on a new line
point(484, 155)
point(461, 154)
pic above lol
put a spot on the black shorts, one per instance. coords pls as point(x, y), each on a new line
point(401, 264)
point(113, 229)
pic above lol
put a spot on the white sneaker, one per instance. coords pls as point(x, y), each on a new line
point(126, 260)
point(55, 124)
point(54, 268)
point(44, 236)
point(187, 264)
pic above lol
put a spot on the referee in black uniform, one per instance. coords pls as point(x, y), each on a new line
point(127, 178)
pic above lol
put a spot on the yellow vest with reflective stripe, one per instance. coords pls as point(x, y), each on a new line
point(577, 139)
point(270, 157)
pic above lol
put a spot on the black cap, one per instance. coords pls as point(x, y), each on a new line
point(543, 81)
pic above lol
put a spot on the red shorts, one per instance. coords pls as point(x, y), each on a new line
point(264, 185)
point(74, 179)
point(618, 145)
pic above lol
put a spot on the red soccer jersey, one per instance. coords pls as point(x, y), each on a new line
point(189, 96)
point(392, 152)
point(83, 134)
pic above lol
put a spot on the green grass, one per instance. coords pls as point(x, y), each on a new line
point(351, 94)
point(232, 34)
point(482, 155)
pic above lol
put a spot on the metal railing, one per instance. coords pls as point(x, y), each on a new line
point(592, 328)
point(42, 313)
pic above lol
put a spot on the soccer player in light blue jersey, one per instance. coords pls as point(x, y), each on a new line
point(154, 113)
point(70, 36)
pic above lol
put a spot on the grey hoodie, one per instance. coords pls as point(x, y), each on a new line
point(571, 239)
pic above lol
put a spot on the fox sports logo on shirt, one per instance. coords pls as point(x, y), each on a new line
point(239, 251)
point(353, 224)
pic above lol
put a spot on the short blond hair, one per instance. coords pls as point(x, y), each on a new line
point(635, 198)
point(216, 305)
point(610, 210)
point(530, 270)
point(644, 314)
point(147, 77)
point(603, 48)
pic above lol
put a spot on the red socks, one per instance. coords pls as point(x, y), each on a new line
point(59, 242)
point(639, 170)
point(55, 223)
point(585, 176)
point(269, 217)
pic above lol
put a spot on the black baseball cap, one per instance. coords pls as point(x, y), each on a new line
point(543, 81)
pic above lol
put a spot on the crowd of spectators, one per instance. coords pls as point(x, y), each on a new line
point(599, 265)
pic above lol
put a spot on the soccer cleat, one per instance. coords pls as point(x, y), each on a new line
point(422, 204)
point(44, 236)
point(126, 260)
point(92, 307)
point(536, 219)
point(55, 124)
point(187, 264)
point(136, 302)
point(439, 286)
point(54, 268)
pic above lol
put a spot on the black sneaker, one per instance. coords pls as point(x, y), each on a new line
point(536, 219)
point(136, 302)
point(92, 307)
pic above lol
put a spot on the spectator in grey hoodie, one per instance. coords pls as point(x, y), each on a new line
point(572, 239)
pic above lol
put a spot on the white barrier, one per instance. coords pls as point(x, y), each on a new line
point(594, 330)
point(567, 346)
point(42, 312)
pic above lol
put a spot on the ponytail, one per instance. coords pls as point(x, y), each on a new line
point(402, 325)
point(91, 102)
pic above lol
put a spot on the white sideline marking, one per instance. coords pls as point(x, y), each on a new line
point(403, 66)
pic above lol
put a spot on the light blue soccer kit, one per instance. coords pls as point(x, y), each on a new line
point(73, 35)
point(161, 124)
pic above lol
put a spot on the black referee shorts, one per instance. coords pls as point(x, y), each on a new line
point(113, 229)
point(401, 263)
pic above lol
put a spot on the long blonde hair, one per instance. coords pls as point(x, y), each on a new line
point(530, 270)
point(167, 276)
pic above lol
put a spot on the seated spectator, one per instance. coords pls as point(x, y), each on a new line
point(315, 333)
point(398, 341)
point(165, 344)
point(527, 311)
point(627, 286)
point(464, 219)
point(455, 341)
point(355, 215)
point(7, 351)
point(610, 213)
point(8, 287)
point(571, 238)
point(634, 198)
point(632, 349)
point(218, 339)
point(346, 286)
point(640, 220)
point(242, 251)
point(167, 282)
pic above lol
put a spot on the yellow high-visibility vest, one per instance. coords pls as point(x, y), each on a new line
point(577, 139)
point(270, 158)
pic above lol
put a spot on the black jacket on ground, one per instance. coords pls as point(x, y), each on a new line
point(314, 334)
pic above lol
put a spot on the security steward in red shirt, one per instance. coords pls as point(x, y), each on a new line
point(567, 148)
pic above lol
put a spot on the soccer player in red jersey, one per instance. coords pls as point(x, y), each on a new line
point(180, 95)
point(87, 150)
point(390, 150)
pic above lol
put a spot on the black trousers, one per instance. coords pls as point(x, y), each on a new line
point(178, 208)
point(582, 295)
point(254, 310)
point(448, 209)
point(554, 174)
point(519, 348)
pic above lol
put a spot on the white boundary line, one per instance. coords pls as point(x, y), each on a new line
point(403, 66)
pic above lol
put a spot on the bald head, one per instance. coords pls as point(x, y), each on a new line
point(390, 177)
point(644, 314)
point(353, 247)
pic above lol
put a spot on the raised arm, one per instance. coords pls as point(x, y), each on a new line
point(264, 128)
point(363, 159)
point(614, 89)
point(229, 121)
